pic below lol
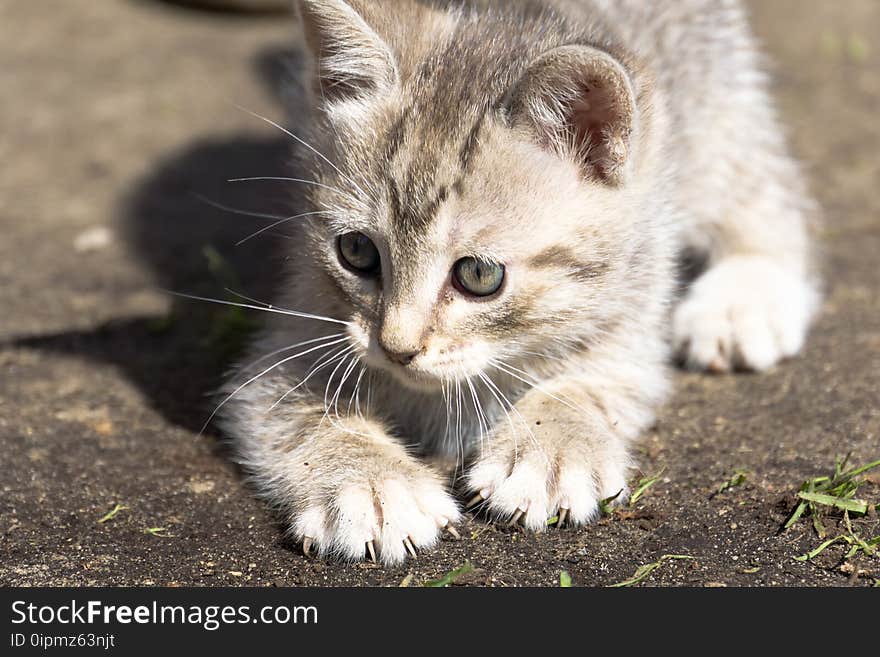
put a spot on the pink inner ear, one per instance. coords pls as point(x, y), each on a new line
point(594, 121)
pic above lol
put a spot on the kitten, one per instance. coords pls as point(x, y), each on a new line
point(499, 193)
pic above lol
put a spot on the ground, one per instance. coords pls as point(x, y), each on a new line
point(118, 116)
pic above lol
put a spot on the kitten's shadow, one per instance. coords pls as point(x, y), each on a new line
point(171, 221)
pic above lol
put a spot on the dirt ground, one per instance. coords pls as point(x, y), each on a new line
point(117, 115)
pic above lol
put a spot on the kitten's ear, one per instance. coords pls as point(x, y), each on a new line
point(579, 101)
point(352, 60)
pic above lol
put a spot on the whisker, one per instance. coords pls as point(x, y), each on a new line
point(482, 423)
point(345, 356)
point(532, 384)
point(355, 395)
point(289, 348)
point(263, 373)
point(327, 361)
point(265, 308)
point(492, 385)
point(278, 223)
point(345, 375)
point(315, 183)
point(458, 405)
point(304, 143)
point(227, 208)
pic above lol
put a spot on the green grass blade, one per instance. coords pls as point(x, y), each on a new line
point(643, 571)
point(605, 506)
point(738, 478)
point(564, 580)
point(643, 485)
point(854, 506)
point(112, 513)
point(798, 512)
point(864, 468)
point(451, 576)
point(819, 550)
point(818, 525)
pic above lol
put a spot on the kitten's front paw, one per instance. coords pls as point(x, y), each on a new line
point(379, 517)
point(531, 480)
point(746, 312)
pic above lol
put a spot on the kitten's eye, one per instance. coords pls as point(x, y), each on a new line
point(358, 253)
point(478, 277)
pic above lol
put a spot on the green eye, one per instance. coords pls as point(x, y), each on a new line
point(478, 277)
point(358, 253)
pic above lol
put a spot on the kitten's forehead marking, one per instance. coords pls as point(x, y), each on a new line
point(421, 178)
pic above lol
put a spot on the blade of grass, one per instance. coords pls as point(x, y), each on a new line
point(643, 571)
point(819, 550)
point(564, 580)
point(818, 525)
point(450, 577)
point(854, 506)
point(112, 513)
point(738, 478)
point(605, 506)
point(643, 485)
point(864, 468)
point(157, 531)
point(798, 512)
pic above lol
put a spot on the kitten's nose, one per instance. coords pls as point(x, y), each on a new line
point(400, 357)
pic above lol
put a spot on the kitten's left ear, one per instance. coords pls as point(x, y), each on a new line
point(353, 61)
point(579, 101)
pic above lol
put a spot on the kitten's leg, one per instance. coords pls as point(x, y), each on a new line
point(753, 304)
point(565, 447)
point(345, 486)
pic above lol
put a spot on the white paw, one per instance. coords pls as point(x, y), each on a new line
point(530, 483)
point(380, 519)
point(746, 312)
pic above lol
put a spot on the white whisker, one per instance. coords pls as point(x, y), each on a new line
point(265, 308)
point(245, 368)
point(493, 388)
point(504, 367)
point(355, 395)
point(482, 422)
point(314, 183)
point(263, 373)
point(278, 223)
point(327, 361)
point(227, 208)
point(306, 144)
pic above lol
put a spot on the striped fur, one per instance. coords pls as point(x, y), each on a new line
point(582, 144)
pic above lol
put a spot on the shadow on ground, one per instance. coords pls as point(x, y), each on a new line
point(185, 222)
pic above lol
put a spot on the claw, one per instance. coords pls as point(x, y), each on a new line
point(372, 550)
point(476, 499)
point(445, 525)
point(409, 547)
point(307, 545)
point(563, 514)
point(516, 516)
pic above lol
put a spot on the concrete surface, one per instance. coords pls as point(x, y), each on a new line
point(115, 114)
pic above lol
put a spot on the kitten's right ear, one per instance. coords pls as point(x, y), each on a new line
point(352, 60)
point(579, 101)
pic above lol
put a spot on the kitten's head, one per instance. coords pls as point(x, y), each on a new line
point(480, 185)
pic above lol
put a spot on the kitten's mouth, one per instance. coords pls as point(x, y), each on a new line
point(414, 378)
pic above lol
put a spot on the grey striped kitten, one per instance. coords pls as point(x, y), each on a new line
point(498, 194)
